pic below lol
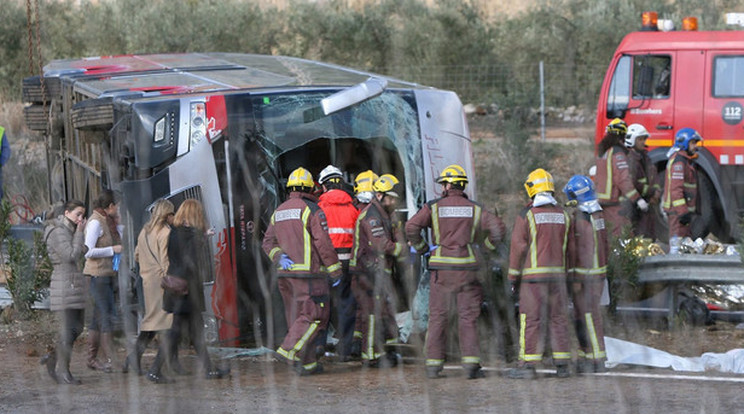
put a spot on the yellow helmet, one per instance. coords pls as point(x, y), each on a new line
point(300, 178)
point(618, 127)
point(364, 181)
point(385, 184)
point(453, 174)
point(539, 181)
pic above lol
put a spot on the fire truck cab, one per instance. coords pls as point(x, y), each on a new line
point(669, 80)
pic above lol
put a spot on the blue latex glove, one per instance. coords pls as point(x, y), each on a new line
point(413, 250)
point(336, 282)
point(285, 262)
point(432, 248)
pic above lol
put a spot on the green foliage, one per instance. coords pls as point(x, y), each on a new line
point(626, 256)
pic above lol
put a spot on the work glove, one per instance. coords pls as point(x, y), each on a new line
point(432, 248)
point(285, 262)
point(685, 219)
point(334, 281)
point(642, 205)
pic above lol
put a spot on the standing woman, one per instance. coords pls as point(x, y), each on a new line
point(152, 255)
point(103, 240)
point(188, 259)
point(67, 291)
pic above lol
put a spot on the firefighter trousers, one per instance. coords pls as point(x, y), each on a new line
point(377, 322)
point(306, 308)
point(616, 219)
point(588, 319)
point(460, 290)
point(675, 227)
point(543, 309)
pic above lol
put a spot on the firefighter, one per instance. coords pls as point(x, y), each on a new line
point(363, 195)
point(376, 248)
point(587, 269)
point(297, 242)
point(643, 173)
point(341, 215)
point(617, 195)
point(680, 185)
point(457, 223)
point(537, 269)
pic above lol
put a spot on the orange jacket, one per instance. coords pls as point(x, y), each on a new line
point(341, 215)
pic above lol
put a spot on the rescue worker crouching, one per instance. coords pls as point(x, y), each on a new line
point(680, 185)
point(341, 215)
point(376, 248)
point(644, 175)
point(587, 269)
point(537, 269)
point(615, 191)
point(297, 242)
point(457, 223)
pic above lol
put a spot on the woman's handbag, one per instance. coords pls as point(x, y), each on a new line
point(175, 285)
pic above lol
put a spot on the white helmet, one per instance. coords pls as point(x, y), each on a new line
point(328, 173)
point(635, 131)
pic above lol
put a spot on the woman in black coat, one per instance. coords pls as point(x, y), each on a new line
point(188, 259)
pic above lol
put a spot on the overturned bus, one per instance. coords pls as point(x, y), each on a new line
point(227, 129)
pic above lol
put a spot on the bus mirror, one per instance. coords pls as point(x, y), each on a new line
point(616, 113)
point(353, 95)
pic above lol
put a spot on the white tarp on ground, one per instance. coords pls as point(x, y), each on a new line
point(624, 352)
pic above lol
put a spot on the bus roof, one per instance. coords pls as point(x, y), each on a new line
point(204, 72)
point(694, 40)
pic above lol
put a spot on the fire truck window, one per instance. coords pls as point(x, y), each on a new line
point(618, 98)
point(651, 77)
point(728, 77)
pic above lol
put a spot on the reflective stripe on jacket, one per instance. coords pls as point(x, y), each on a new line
point(376, 245)
point(613, 180)
point(587, 247)
point(457, 223)
point(298, 229)
point(538, 245)
point(680, 185)
point(341, 215)
point(644, 174)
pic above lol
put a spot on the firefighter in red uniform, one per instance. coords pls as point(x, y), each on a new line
point(457, 223)
point(680, 186)
point(643, 172)
point(537, 268)
point(587, 269)
point(376, 247)
point(297, 242)
point(617, 195)
point(341, 215)
point(363, 195)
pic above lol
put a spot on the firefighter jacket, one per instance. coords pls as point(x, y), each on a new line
point(680, 185)
point(457, 223)
point(613, 180)
point(539, 243)
point(341, 215)
point(587, 247)
point(376, 244)
point(643, 172)
point(298, 229)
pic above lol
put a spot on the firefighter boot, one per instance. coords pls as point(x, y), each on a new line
point(434, 372)
point(473, 371)
point(94, 341)
point(562, 371)
point(584, 367)
point(599, 366)
point(523, 372)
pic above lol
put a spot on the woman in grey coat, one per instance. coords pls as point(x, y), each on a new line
point(68, 289)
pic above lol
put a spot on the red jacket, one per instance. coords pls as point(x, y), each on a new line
point(298, 229)
point(587, 247)
point(643, 172)
point(680, 185)
point(613, 180)
point(456, 224)
point(341, 215)
point(376, 244)
point(538, 245)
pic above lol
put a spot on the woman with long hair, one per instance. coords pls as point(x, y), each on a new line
point(68, 289)
point(152, 255)
point(188, 259)
point(103, 240)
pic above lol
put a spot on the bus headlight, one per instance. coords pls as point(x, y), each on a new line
point(159, 133)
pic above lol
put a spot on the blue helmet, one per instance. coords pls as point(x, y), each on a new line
point(580, 188)
point(683, 137)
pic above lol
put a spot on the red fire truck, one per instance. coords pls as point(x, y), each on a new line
point(227, 129)
point(669, 80)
